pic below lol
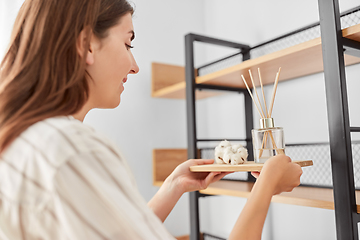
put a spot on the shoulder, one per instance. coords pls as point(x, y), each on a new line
point(42, 150)
point(59, 138)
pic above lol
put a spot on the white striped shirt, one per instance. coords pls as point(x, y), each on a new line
point(61, 180)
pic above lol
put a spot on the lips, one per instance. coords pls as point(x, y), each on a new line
point(124, 80)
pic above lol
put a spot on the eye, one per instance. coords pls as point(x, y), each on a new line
point(128, 47)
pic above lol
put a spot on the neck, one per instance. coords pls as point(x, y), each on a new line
point(80, 115)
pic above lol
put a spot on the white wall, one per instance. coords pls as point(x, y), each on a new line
point(8, 12)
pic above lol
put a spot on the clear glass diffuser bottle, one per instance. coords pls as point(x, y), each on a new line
point(267, 141)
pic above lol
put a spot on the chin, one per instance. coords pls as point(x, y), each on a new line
point(111, 104)
point(115, 105)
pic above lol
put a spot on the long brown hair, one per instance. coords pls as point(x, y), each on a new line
point(42, 75)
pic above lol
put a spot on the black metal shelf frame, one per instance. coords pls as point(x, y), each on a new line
point(333, 45)
point(346, 215)
point(191, 86)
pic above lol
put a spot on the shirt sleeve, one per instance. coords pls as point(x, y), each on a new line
point(94, 198)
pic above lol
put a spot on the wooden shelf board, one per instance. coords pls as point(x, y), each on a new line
point(229, 188)
point(165, 161)
point(245, 167)
point(168, 81)
point(301, 196)
point(177, 91)
point(157, 183)
point(164, 76)
point(296, 61)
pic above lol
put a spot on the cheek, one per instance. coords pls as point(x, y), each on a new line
point(120, 65)
point(115, 66)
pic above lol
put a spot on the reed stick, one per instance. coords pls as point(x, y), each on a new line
point(262, 89)
point(252, 81)
point(270, 110)
point(251, 95)
point(278, 150)
point(274, 92)
point(263, 145)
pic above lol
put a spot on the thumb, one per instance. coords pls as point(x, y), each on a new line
point(209, 178)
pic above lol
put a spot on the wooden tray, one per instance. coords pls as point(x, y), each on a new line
point(246, 167)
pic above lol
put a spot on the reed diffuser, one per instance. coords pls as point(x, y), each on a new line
point(268, 140)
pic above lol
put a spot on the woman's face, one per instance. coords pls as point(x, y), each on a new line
point(109, 62)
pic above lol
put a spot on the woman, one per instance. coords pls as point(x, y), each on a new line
point(59, 179)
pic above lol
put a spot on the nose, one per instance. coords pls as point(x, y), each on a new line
point(134, 67)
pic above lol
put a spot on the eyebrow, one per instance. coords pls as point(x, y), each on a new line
point(133, 34)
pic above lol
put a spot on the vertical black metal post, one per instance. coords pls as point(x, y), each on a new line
point(338, 119)
point(191, 126)
point(249, 122)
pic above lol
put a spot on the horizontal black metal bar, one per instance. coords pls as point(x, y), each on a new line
point(351, 47)
point(220, 88)
point(286, 145)
point(302, 184)
point(351, 43)
point(212, 236)
point(315, 186)
point(306, 144)
point(350, 11)
point(355, 9)
point(320, 143)
point(219, 60)
point(205, 195)
point(286, 35)
point(357, 217)
point(217, 41)
point(354, 129)
point(222, 139)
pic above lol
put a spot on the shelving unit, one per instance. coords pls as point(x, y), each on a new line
point(317, 55)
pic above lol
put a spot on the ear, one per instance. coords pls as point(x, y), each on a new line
point(85, 45)
point(90, 59)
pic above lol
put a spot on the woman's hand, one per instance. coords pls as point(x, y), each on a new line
point(181, 180)
point(186, 181)
point(280, 173)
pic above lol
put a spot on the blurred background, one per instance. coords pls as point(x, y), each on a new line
point(142, 123)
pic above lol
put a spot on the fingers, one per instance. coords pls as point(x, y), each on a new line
point(290, 179)
point(220, 176)
point(203, 161)
point(299, 173)
point(209, 178)
point(213, 177)
point(255, 174)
